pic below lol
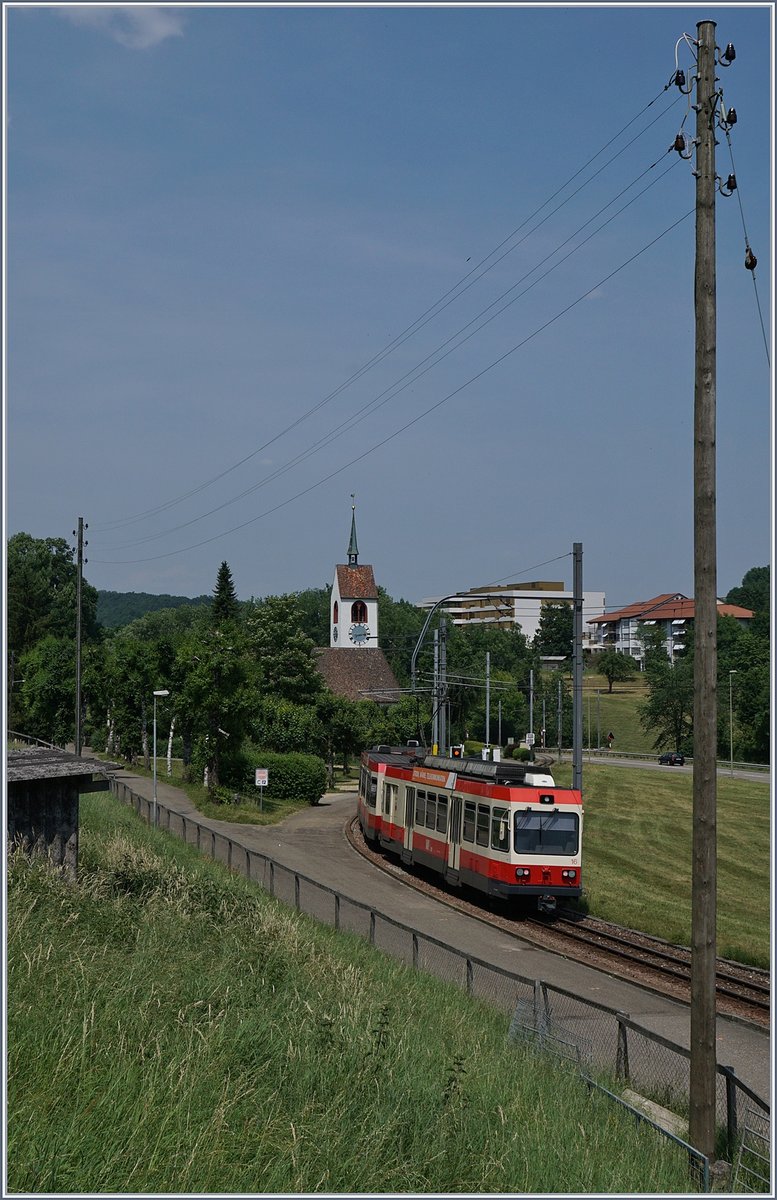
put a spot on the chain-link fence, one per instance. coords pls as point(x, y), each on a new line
point(598, 1037)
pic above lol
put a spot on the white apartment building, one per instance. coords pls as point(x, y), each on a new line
point(671, 612)
point(513, 604)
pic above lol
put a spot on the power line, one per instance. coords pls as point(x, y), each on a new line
point(448, 297)
point(748, 251)
point(409, 424)
point(416, 372)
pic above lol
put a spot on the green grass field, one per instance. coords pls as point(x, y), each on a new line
point(616, 713)
point(172, 1029)
point(637, 855)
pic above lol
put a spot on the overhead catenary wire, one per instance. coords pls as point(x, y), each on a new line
point(448, 297)
point(420, 416)
point(747, 247)
point(437, 355)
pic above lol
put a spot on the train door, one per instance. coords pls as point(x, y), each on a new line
point(454, 840)
point(407, 847)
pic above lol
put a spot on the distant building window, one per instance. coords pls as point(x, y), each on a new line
point(358, 612)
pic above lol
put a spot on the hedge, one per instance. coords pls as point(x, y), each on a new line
point(292, 776)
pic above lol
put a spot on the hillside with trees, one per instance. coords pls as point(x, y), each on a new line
point(115, 609)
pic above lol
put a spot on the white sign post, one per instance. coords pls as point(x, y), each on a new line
point(261, 780)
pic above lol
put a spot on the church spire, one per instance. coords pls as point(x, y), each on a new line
point(353, 549)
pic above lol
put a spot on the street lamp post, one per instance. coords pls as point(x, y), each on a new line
point(162, 692)
point(731, 722)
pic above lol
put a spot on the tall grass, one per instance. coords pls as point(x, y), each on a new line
point(173, 1029)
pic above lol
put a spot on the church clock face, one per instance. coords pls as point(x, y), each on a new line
point(358, 634)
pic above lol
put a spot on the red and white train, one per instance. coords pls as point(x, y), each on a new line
point(501, 827)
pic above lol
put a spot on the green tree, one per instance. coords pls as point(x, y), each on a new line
point(226, 606)
point(214, 696)
point(132, 673)
point(42, 580)
point(313, 606)
point(667, 712)
point(285, 727)
point(399, 625)
point(653, 646)
point(344, 723)
point(616, 667)
point(754, 590)
point(282, 652)
point(47, 686)
point(555, 630)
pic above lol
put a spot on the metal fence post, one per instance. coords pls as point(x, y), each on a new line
point(296, 891)
point(415, 951)
point(622, 1050)
point(729, 1074)
point(337, 910)
point(272, 877)
point(248, 863)
point(372, 926)
point(470, 977)
point(229, 854)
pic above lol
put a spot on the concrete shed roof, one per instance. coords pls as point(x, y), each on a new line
point(39, 762)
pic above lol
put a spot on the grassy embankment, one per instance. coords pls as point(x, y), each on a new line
point(617, 713)
point(637, 855)
point(173, 1029)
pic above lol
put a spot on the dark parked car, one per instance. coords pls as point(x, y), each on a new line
point(672, 759)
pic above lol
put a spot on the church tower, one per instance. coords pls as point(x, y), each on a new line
point(354, 602)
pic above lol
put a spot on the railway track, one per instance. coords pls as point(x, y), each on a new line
point(736, 983)
point(743, 992)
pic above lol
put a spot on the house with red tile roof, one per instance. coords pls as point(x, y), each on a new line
point(671, 612)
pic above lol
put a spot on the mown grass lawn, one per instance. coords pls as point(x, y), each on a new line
point(172, 1029)
point(637, 855)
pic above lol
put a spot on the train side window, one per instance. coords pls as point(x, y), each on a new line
point(409, 806)
point(389, 798)
point(484, 819)
point(500, 829)
point(468, 832)
point(431, 807)
point(372, 794)
point(420, 807)
point(442, 814)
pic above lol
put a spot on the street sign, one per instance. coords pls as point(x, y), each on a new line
point(529, 739)
point(262, 774)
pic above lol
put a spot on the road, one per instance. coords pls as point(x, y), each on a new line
point(645, 764)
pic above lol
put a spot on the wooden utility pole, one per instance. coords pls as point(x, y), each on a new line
point(79, 579)
point(577, 665)
point(704, 876)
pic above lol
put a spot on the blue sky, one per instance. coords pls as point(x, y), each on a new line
point(217, 217)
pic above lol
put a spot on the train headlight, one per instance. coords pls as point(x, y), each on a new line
point(521, 872)
point(569, 874)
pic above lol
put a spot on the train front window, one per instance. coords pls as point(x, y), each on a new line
point(546, 832)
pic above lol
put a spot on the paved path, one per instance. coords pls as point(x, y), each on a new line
point(313, 842)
